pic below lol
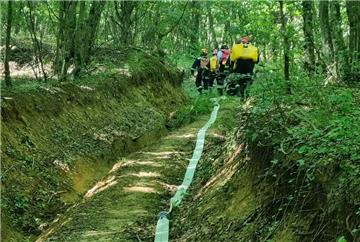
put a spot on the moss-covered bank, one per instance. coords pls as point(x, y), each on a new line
point(58, 139)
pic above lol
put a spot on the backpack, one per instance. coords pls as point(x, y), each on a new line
point(225, 56)
point(249, 52)
point(213, 63)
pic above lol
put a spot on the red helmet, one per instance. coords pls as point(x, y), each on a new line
point(245, 39)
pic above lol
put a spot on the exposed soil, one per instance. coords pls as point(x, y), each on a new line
point(124, 205)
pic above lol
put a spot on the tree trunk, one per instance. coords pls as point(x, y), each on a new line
point(7, 45)
point(227, 37)
point(123, 11)
point(194, 35)
point(136, 26)
point(39, 63)
point(211, 26)
point(86, 34)
point(106, 23)
point(308, 27)
point(80, 38)
point(59, 40)
point(353, 13)
point(66, 38)
point(326, 31)
point(340, 50)
point(286, 46)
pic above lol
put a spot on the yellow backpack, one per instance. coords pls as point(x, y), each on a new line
point(213, 63)
point(249, 52)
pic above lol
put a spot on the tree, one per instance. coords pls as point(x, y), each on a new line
point(85, 34)
point(7, 45)
point(212, 26)
point(195, 26)
point(353, 13)
point(37, 43)
point(328, 48)
point(340, 49)
point(65, 49)
point(161, 35)
point(77, 35)
point(123, 12)
point(286, 47)
point(308, 27)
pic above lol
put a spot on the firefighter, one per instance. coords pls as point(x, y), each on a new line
point(200, 66)
point(213, 68)
point(243, 58)
point(224, 63)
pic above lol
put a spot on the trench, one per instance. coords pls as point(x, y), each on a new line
point(123, 206)
point(117, 196)
point(59, 140)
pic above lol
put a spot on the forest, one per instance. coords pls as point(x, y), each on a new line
point(100, 116)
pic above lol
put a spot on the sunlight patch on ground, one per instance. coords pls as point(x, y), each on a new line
point(101, 186)
point(249, 103)
point(218, 180)
point(62, 165)
point(143, 174)
point(86, 88)
point(222, 177)
point(181, 136)
point(107, 138)
point(235, 153)
point(148, 163)
point(162, 155)
point(171, 188)
point(95, 233)
point(52, 90)
point(124, 71)
point(121, 164)
point(140, 189)
point(27, 70)
point(216, 135)
point(51, 230)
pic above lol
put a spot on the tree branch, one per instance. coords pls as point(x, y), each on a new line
point(162, 35)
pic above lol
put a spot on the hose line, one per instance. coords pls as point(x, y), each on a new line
point(162, 226)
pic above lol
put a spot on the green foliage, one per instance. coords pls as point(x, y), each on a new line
point(341, 239)
point(190, 112)
point(315, 134)
point(229, 119)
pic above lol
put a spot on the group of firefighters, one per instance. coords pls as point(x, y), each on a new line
point(231, 69)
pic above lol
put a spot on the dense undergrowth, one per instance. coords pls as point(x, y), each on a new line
point(314, 171)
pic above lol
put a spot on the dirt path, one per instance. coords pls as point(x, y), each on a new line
point(124, 205)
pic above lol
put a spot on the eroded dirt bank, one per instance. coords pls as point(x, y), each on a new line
point(124, 205)
point(57, 141)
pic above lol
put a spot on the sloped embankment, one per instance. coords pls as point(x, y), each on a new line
point(57, 140)
point(228, 196)
point(289, 174)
